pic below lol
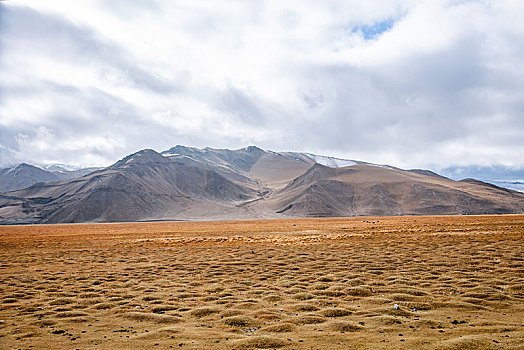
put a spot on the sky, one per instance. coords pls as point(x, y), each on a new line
point(409, 83)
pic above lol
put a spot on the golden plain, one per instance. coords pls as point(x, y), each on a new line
point(428, 282)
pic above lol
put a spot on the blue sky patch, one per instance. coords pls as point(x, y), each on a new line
point(373, 31)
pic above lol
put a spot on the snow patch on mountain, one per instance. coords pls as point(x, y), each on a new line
point(331, 162)
point(15, 169)
point(59, 167)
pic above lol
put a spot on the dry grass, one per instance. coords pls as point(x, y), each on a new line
point(458, 283)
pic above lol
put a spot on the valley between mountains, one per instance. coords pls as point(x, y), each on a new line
point(186, 183)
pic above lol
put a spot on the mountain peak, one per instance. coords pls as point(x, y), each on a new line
point(181, 150)
point(23, 165)
point(142, 157)
point(253, 149)
point(23, 175)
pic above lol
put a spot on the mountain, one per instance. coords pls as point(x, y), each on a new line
point(370, 190)
point(503, 176)
point(185, 183)
point(142, 186)
point(24, 175)
point(516, 185)
point(250, 165)
point(66, 172)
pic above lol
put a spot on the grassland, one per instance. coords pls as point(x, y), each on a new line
point(373, 283)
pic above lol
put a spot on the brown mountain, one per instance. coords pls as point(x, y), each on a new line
point(196, 184)
point(372, 190)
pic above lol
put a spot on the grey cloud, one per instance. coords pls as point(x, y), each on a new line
point(313, 99)
point(5, 142)
point(82, 116)
point(243, 107)
point(78, 114)
point(131, 9)
point(413, 106)
point(440, 75)
point(60, 39)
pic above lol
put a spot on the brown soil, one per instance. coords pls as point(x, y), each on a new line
point(443, 282)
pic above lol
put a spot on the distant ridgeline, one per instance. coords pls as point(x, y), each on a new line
point(186, 183)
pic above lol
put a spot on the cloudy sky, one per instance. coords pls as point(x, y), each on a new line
point(426, 84)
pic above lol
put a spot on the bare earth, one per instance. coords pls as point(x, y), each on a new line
point(331, 283)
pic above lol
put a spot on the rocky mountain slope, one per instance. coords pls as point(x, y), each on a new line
point(186, 183)
point(24, 175)
point(370, 190)
point(142, 186)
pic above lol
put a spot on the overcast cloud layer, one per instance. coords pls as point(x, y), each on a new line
point(425, 84)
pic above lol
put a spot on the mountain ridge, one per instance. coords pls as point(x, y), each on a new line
point(185, 183)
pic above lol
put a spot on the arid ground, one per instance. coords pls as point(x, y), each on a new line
point(448, 282)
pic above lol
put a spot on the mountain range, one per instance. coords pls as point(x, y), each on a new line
point(185, 183)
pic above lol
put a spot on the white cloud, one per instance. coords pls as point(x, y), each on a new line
point(409, 83)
